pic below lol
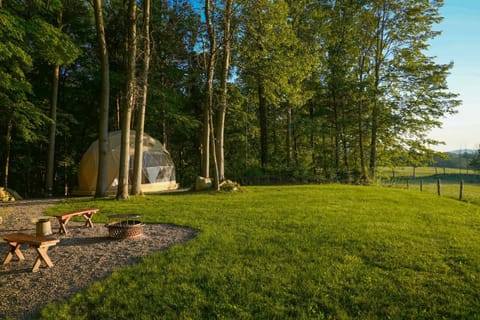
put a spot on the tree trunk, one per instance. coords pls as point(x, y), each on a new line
point(344, 136)
point(289, 135)
point(122, 192)
point(207, 108)
point(101, 186)
point(140, 120)
point(363, 170)
point(376, 106)
point(216, 181)
point(312, 142)
point(53, 131)
point(8, 143)
point(262, 109)
point(164, 122)
point(49, 179)
point(374, 129)
point(336, 128)
point(220, 141)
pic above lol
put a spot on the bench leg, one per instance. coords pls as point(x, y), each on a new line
point(14, 250)
point(63, 225)
point(88, 222)
point(42, 256)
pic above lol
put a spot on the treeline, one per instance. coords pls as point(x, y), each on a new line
point(234, 88)
point(461, 160)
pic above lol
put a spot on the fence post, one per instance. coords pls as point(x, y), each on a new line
point(438, 187)
point(461, 190)
point(407, 184)
point(421, 185)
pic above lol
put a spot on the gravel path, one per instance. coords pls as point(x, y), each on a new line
point(83, 256)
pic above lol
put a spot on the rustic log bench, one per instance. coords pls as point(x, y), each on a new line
point(41, 245)
point(64, 218)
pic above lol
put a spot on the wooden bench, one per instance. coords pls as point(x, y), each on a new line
point(64, 218)
point(41, 245)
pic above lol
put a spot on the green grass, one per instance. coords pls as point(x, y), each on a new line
point(295, 252)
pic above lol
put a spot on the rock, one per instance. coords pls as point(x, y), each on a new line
point(202, 183)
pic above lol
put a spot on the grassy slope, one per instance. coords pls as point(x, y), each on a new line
point(296, 252)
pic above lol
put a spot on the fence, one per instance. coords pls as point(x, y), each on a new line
point(462, 187)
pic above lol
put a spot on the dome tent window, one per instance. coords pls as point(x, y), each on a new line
point(158, 168)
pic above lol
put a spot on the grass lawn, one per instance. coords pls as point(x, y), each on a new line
point(295, 252)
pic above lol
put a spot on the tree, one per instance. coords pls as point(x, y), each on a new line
point(264, 35)
point(56, 57)
point(131, 54)
point(410, 90)
point(223, 103)
point(101, 187)
point(475, 161)
point(275, 58)
point(140, 116)
point(210, 60)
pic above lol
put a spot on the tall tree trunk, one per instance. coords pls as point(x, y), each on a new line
point(207, 108)
point(49, 179)
point(205, 145)
point(361, 147)
point(164, 120)
point(216, 181)
point(140, 120)
point(220, 146)
point(312, 141)
point(373, 134)
point(344, 135)
point(53, 131)
point(376, 105)
point(289, 135)
point(336, 129)
point(101, 186)
point(262, 109)
point(122, 192)
point(8, 143)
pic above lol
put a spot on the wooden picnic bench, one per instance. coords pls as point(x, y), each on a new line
point(41, 245)
point(64, 218)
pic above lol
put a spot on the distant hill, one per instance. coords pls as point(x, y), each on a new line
point(462, 151)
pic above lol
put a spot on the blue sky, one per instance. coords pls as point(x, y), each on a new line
point(460, 43)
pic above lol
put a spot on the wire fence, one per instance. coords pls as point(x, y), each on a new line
point(448, 182)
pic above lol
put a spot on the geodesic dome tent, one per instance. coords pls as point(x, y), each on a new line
point(158, 168)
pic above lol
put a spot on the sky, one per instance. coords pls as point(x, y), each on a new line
point(460, 43)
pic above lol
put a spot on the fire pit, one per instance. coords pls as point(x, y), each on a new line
point(125, 229)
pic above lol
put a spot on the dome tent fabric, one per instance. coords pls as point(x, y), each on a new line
point(158, 168)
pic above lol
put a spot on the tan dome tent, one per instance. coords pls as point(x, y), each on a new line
point(158, 167)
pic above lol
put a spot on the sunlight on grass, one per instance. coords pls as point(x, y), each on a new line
point(297, 252)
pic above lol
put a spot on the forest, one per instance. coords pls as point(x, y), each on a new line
point(313, 90)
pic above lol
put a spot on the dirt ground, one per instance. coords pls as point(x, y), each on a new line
point(83, 256)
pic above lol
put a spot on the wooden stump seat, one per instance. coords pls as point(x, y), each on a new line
point(64, 218)
point(41, 245)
